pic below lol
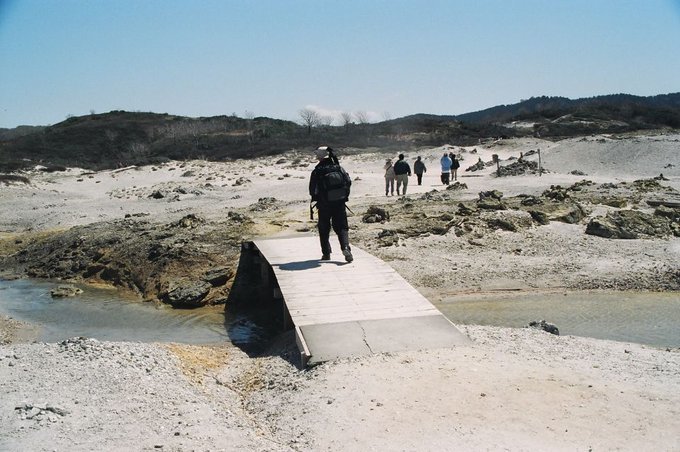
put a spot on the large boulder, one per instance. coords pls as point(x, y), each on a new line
point(191, 295)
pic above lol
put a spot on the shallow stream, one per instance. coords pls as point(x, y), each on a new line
point(644, 317)
point(105, 314)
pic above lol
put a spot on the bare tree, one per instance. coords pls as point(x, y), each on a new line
point(346, 118)
point(362, 116)
point(310, 118)
point(326, 121)
point(386, 116)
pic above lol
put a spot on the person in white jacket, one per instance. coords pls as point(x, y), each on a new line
point(446, 168)
point(389, 177)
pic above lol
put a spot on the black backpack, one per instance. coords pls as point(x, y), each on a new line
point(333, 183)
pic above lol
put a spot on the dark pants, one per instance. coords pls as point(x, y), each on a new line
point(420, 178)
point(332, 214)
point(445, 178)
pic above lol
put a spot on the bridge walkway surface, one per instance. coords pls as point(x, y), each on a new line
point(341, 309)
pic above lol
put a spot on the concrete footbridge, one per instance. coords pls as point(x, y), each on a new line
point(342, 310)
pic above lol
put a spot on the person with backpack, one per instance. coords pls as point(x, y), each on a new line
point(419, 169)
point(403, 170)
point(329, 187)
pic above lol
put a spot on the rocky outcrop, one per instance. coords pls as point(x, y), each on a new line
point(672, 213)
point(629, 224)
point(539, 217)
point(158, 262)
point(480, 165)
point(569, 213)
point(388, 237)
point(457, 186)
point(491, 200)
point(218, 276)
point(556, 193)
point(508, 220)
point(612, 201)
point(518, 168)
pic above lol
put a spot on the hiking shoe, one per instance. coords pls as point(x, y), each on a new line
point(348, 255)
point(325, 257)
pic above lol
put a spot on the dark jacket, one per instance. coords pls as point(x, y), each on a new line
point(419, 167)
point(402, 167)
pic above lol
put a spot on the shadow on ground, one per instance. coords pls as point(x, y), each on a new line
point(256, 323)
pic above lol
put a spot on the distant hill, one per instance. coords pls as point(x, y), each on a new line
point(121, 138)
point(616, 112)
point(10, 134)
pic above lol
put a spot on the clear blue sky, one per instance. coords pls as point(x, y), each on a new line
point(275, 57)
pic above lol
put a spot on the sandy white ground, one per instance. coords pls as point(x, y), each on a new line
point(512, 389)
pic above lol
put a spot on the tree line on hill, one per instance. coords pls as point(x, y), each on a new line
point(119, 138)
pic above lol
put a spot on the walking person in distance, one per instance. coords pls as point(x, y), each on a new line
point(455, 164)
point(419, 168)
point(389, 177)
point(446, 163)
point(403, 170)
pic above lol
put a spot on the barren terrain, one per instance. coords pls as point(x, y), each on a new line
point(595, 220)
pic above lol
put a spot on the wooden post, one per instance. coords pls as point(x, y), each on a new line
point(539, 163)
point(498, 164)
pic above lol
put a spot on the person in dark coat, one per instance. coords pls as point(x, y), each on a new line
point(455, 164)
point(419, 169)
point(330, 213)
point(403, 170)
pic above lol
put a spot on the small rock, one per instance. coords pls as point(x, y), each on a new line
point(65, 291)
point(545, 326)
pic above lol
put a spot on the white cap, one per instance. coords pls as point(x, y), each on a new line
point(321, 152)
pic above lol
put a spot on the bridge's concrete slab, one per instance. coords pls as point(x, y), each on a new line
point(330, 341)
point(359, 308)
